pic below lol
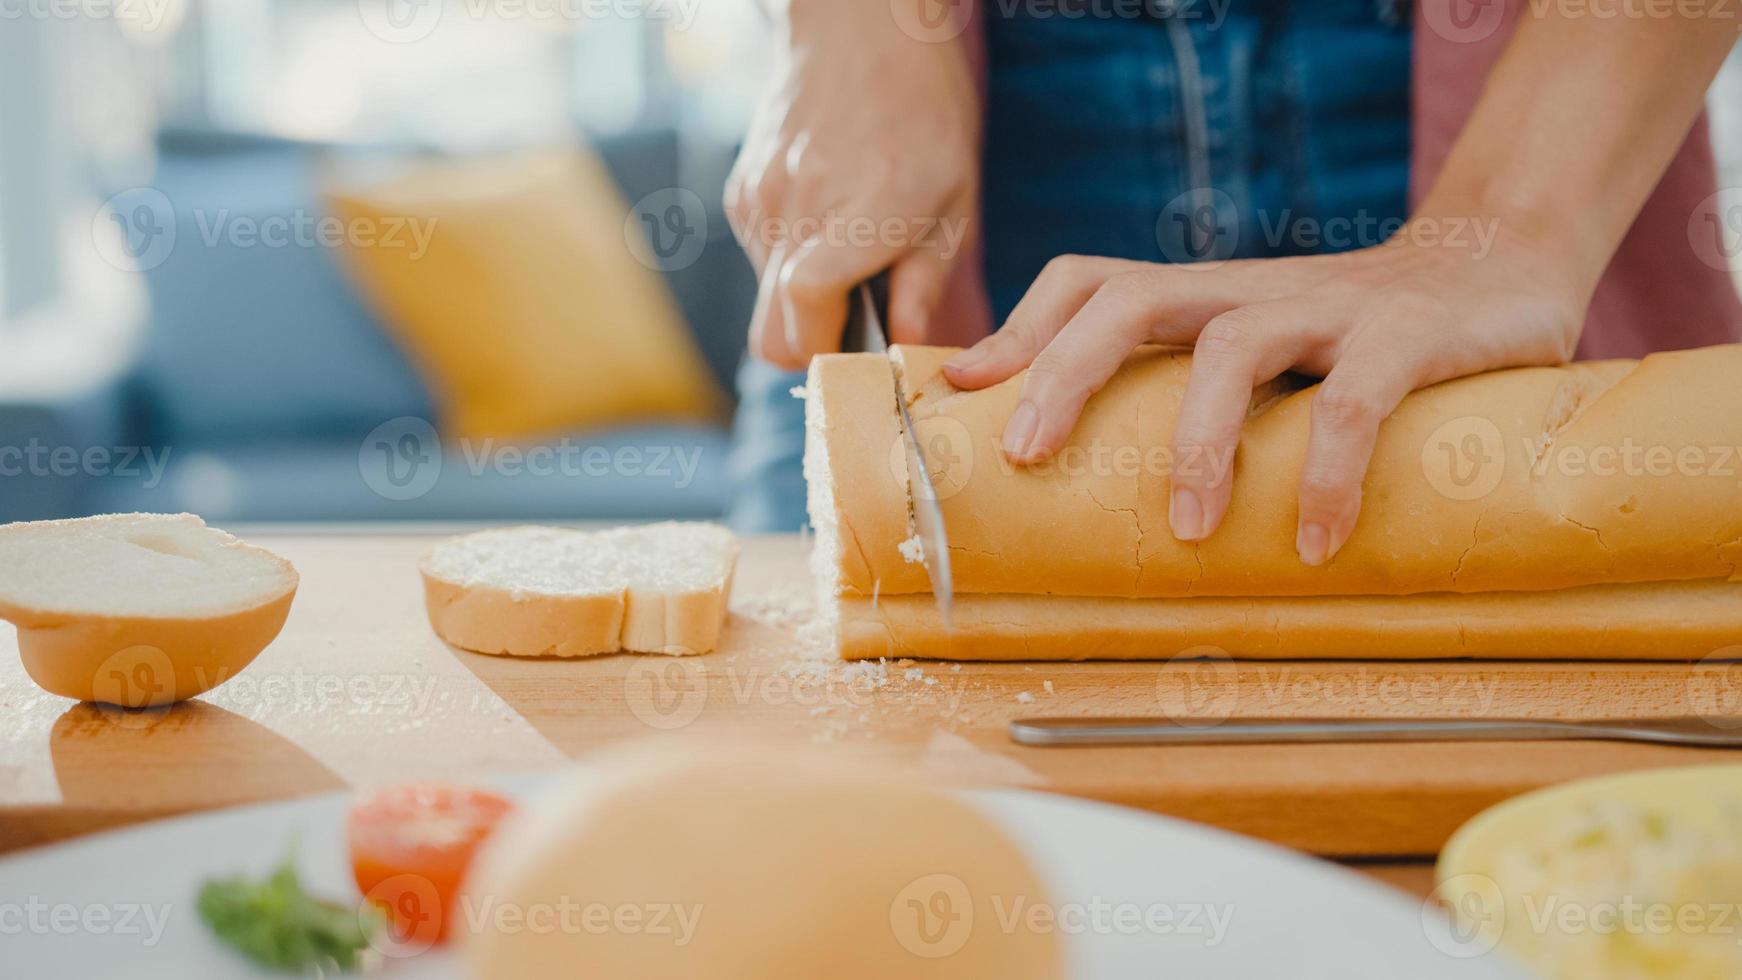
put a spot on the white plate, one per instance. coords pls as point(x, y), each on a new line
point(1142, 897)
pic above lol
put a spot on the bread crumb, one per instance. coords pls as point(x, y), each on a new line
point(912, 550)
point(931, 682)
point(1023, 697)
point(832, 731)
point(1048, 686)
point(955, 668)
point(913, 673)
point(785, 607)
point(801, 392)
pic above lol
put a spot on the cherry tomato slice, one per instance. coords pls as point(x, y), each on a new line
point(410, 847)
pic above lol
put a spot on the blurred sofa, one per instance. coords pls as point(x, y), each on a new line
point(264, 390)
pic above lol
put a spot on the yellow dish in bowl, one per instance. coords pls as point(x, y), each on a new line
point(1631, 876)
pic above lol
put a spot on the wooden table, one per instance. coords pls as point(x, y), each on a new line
point(357, 691)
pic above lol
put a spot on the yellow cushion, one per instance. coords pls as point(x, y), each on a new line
point(511, 285)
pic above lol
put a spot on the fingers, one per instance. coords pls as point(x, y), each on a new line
point(1182, 301)
point(1235, 351)
point(916, 288)
point(1076, 363)
point(813, 289)
point(805, 287)
point(1365, 386)
point(751, 191)
point(768, 321)
point(1057, 294)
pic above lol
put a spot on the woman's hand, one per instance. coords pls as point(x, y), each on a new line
point(1375, 324)
point(1574, 128)
point(863, 156)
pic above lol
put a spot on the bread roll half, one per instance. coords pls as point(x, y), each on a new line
point(138, 610)
point(723, 862)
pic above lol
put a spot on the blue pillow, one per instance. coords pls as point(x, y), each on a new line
point(254, 332)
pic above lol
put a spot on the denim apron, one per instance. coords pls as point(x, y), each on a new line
point(1159, 130)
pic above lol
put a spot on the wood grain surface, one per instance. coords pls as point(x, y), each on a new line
point(358, 691)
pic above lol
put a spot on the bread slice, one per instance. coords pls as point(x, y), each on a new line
point(138, 609)
point(552, 592)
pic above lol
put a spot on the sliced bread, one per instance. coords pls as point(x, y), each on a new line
point(553, 592)
point(138, 609)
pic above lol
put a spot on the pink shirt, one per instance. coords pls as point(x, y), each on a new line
point(1668, 286)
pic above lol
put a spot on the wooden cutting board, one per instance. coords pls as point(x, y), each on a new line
point(359, 691)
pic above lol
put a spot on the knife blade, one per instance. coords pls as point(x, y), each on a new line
point(1259, 731)
point(865, 333)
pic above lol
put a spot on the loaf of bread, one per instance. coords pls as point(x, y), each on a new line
point(1535, 480)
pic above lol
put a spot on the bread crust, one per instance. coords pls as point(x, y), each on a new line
point(676, 623)
point(1101, 529)
point(139, 662)
point(491, 620)
point(506, 622)
point(485, 619)
point(145, 661)
point(1650, 621)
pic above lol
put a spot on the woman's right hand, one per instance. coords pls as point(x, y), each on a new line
point(862, 156)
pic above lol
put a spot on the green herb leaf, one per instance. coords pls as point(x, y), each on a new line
point(275, 923)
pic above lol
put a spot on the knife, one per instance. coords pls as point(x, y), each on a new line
point(864, 333)
point(1272, 731)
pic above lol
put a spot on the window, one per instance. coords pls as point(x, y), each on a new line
point(467, 72)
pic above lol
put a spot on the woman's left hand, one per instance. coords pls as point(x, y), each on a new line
point(1375, 323)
